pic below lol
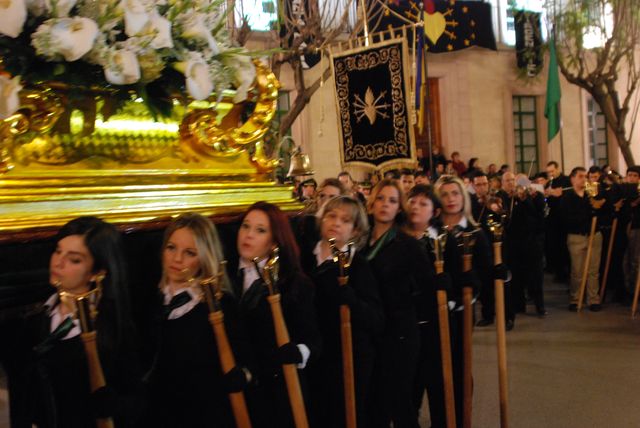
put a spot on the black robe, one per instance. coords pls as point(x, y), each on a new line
point(267, 397)
point(185, 383)
point(405, 277)
point(325, 373)
point(52, 389)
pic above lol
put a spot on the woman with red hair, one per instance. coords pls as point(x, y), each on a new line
point(263, 228)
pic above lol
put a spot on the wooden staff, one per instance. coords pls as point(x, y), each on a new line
point(636, 294)
point(612, 238)
point(445, 337)
point(212, 293)
point(85, 310)
point(344, 260)
point(468, 241)
point(270, 277)
point(496, 230)
point(592, 190)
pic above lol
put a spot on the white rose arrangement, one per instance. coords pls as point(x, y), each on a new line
point(153, 48)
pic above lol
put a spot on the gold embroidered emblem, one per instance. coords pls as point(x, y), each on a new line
point(370, 106)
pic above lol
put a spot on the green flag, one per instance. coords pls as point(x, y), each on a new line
point(552, 104)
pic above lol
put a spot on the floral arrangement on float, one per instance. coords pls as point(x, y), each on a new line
point(148, 50)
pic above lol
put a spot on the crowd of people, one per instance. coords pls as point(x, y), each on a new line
point(386, 227)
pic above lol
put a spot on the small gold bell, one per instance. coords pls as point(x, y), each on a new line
point(300, 164)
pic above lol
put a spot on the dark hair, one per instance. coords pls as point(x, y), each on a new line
point(553, 163)
point(472, 163)
point(426, 191)
point(406, 171)
point(282, 236)
point(477, 174)
point(104, 242)
point(422, 174)
point(345, 173)
point(576, 170)
point(634, 168)
point(455, 154)
point(504, 166)
point(593, 169)
point(541, 174)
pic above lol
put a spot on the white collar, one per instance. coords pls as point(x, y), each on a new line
point(52, 306)
point(250, 272)
point(318, 250)
point(195, 294)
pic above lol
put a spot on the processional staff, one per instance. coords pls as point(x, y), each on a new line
point(212, 294)
point(467, 240)
point(496, 229)
point(269, 275)
point(344, 259)
point(438, 246)
point(85, 308)
point(591, 189)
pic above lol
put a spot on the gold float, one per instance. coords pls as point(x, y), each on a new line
point(58, 163)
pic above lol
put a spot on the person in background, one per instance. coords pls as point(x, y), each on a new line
point(456, 163)
point(576, 210)
point(495, 184)
point(631, 261)
point(556, 252)
point(492, 170)
point(308, 190)
point(422, 177)
point(350, 187)
point(504, 168)
point(474, 165)
point(407, 180)
point(524, 209)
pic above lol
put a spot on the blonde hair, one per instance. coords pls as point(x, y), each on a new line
point(355, 209)
point(388, 182)
point(451, 179)
point(208, 244)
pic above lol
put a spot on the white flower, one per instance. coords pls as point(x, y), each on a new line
point(135, 16)
point(72, 37)
point(196, 73)
point(13, 14)
point(123, 68)
point(244, 74)
point(9, 99)
point(194, 27)
point(162, 27)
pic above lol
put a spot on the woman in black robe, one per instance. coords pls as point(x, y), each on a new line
point(405, 277)
point(344, 219)
point(263, 228)
point(52, 388)
point(187, 387)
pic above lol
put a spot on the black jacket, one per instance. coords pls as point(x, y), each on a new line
point(185, 384)
point(53, 388)
point(325, 373)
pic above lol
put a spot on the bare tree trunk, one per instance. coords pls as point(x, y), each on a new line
point(302, 98)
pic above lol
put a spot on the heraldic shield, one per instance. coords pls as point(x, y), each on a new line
point(373, 104)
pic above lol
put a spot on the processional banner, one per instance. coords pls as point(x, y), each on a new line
point(374, 106)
